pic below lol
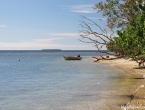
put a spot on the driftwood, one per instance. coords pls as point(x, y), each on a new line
point(139, 67)
point(140, 64)
point(97, 59)
point(105, 58)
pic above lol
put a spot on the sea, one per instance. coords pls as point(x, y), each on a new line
point(43, 80)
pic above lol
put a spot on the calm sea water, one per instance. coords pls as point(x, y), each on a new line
point(45, 81)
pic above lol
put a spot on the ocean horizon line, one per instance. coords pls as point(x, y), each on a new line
point(52, 51)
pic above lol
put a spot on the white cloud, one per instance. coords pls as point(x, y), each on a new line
point(3, 26)
point(35, 44)
point(43, 41)
point(63, 34)
point(39, 44)
point(83, 9)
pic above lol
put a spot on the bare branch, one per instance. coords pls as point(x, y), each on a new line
point(99, 39)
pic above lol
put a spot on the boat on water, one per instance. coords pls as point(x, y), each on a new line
point(72, 58)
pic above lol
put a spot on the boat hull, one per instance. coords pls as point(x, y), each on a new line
point(72, 58)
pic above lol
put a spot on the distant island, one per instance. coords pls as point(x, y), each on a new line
point(55, 50)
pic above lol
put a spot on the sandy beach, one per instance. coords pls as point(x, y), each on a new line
point(137, 94)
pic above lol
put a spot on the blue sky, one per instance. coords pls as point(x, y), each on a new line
point(43, 24)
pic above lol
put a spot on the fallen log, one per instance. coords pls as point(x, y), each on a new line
point(139, 67)
point(105, 58)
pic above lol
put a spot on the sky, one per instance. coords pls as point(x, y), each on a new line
point(44, 24)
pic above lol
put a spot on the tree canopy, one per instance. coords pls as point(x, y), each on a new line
point(129, 17)
point(118, 12)
point(131, 41)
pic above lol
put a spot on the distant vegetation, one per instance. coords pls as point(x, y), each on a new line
point(127, 19)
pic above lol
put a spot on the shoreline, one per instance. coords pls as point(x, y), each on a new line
point(137, 95)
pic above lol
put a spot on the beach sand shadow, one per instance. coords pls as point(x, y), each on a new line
point(138, 78)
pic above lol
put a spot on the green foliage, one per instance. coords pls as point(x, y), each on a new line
point(118, 12)
point(131, 41)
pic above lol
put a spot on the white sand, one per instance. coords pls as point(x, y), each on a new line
point(138, 102)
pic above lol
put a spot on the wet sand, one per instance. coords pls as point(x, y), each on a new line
point(134, 95)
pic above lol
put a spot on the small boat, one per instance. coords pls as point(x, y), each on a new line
point(72, 58)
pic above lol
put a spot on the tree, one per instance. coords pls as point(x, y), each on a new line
point(131, 41)
point(90, 35)
point(118, 12)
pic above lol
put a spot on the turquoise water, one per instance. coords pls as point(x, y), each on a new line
point(45, 81)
